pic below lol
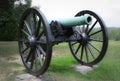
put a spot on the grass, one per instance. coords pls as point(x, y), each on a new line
point(62, 61)
point(108, 68)
point(8, 69)
point(8, 48)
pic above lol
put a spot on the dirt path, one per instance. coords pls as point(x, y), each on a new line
point(22, 77)
point(12, 58)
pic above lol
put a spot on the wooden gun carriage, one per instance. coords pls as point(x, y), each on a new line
point(85, 33)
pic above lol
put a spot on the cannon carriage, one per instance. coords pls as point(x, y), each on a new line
point(85, 33)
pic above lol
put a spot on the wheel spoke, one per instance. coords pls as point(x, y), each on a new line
point(97, 40)
point(36, 61)
point(25, 32)
point(41, 62)
point(78, 48)
point(40, 35)
point(25, 49)
point(32, 63)
point(86, 52)
point(34, 19)
point(86, 30)
point(32, 60)
point(35, 23)
point(92, 27)
point(29, 55)
point(38, 27)
point(74, 43)
point(94, 47)
point(91, 52)
point(78, 29)
point(83, 28)
point(31, 24)
point(28, 28)
point(82, 51)
point(41, 50)
point(95, 32)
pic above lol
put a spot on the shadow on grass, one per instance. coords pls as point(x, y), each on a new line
point(62, 64)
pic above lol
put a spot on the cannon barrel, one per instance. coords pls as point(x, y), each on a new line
point(74, 21)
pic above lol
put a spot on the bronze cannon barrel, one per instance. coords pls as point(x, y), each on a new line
point(74, 21)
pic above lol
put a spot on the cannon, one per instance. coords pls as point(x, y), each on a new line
point(85, 33)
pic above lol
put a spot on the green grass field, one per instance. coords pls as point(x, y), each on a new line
point(61, 64)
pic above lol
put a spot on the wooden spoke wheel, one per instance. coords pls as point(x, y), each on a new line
point(92, 46)
point(35, 44)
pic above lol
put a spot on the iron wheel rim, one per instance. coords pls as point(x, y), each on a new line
point(87, 49)
point(31, 46)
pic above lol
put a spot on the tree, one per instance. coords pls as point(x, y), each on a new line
point(10, 14)
point(5, 4)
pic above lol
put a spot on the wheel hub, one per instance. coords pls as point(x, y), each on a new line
point(84, 38)
point(32, 40)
